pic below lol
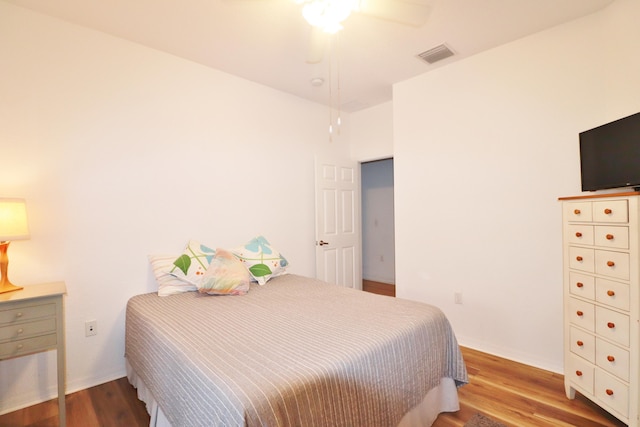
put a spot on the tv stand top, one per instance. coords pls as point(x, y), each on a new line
point(636, 192)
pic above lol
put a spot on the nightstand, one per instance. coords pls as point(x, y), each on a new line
point(31, 321)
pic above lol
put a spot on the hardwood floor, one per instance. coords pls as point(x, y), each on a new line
point(379, 288)
point(113, 404)
point(520, 395)
point(509, 392)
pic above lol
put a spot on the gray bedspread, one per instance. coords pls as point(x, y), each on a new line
point(294, 352)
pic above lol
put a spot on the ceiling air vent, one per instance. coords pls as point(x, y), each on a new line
point(436, 54)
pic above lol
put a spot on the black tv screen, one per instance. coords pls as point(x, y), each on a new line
point(610, 155)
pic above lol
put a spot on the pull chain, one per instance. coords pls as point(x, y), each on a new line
point(333, 50)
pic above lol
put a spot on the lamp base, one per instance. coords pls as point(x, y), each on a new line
point(5, 284)
point(8, 287)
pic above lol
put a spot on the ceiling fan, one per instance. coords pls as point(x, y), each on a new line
point(326, 16)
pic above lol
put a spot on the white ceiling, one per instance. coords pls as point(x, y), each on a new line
point(266, 41)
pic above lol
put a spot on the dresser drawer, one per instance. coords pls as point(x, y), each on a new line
point(612, 392)
point(580, 373)
point(22, 312)
point(613, 294)
point(582, 314)
point(612, 359)
point(26, 346)
point(612, 236)
point(580, 234)
point(577, 211)
point(581, 259)
point(612, 325)
point(29, 329)
point(611, 211)
point(612, 264)
point(582, 344)
point(582, 285)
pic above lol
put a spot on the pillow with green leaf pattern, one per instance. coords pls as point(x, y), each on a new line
point(261, 259)
point(193, 263)
point(168, 284)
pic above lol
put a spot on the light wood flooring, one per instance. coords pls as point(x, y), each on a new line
point(509, 392)
point(520, 395)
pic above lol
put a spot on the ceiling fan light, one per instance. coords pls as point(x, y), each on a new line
point(328, 14)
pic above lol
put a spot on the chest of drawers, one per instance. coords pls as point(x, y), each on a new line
point(601, 237)
point(31, 321)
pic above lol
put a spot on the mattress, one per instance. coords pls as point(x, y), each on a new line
point(294, 352)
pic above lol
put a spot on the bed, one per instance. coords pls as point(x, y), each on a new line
point(294, 352)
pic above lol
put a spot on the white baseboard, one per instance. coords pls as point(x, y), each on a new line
point(506, 353)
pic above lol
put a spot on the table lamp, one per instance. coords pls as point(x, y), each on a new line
point(13, 226)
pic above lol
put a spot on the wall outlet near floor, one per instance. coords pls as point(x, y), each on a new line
point(90, 328)
point(457, 297)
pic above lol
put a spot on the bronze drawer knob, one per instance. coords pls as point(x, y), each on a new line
point(579, 343)
point(608, 211)
point(610, 263)
point(609, 392)
point(611, 325)
point(610, 293)
point(579, 258)
point(579, 313)
point(579, 373)
point(609, 236)
point(611, 358)
point(578, 234)
point(579, 284)
point(576, 211)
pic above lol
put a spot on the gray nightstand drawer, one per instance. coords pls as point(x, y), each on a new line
point(29, 329)
point(26, 346)
point(25, 311)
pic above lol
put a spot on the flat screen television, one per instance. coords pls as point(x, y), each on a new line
point(610, 155)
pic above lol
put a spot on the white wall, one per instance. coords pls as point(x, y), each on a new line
point(371, 133)
point(480, 163)
point(122, 151)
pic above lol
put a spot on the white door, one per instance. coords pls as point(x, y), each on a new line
point(338, 223)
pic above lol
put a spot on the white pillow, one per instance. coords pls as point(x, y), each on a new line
point(168, 284)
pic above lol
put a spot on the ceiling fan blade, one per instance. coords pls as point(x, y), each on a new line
point(402, 12)
point(317, 45)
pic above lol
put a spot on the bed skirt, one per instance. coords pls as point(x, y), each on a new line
point(443, 398)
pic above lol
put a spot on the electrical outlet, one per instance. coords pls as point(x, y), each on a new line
point(457, 297)
point(90, 328)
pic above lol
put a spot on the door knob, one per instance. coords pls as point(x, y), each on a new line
point(322, 243)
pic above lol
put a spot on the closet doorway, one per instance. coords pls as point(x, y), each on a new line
point(378, 236)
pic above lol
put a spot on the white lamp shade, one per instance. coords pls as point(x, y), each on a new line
point(13, 220)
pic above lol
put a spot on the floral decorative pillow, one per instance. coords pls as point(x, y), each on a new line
point(261, 259)
point(193, 263)
point(226, 275)
point(168, 284)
